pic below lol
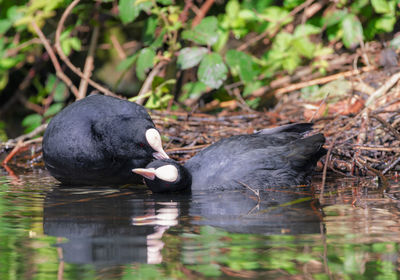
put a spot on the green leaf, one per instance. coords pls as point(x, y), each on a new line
point(212, 70)
point(129, 9)
point(248, 15)
point(75, 43)
point(290, 4)
point(305, 30)
point(334, 17)
point(382, 6)
point(385, 23)
point(190, 57)
point(304, 47)
point(127, 63)
point(251, 87)
point(31, 122)
point(53, 109)
point(243, 63)
point(60, 93)
point(5, 24)
point(9, 62)
point(165, 2)
point(232, 9)
point(149, 30)
point(3, 79)
point(275, 15)
point(53, 85)
point(204, 33)
point(352, 31)
point(144, 62)
point(282, 41)
point(291, 62)
point(192, 90)
point(357, 5)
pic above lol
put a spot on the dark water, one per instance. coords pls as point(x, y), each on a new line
point(48, 232)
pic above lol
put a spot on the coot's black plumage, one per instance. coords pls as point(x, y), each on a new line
point(280, 156)
point(98, 140)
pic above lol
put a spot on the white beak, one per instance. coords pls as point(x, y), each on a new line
point(153, 137)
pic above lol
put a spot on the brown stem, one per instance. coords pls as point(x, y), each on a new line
point(203, 11)
point(54, 60)
point(147, 83)
point(88, 68)
point(66, 60)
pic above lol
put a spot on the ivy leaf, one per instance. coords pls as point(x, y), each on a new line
point(190, 57)
point(204, 33)
point(352, 31)
point(144, 62)
point(212, 70)
point(243, 63)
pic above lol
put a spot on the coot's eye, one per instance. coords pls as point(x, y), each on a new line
point(142, 145)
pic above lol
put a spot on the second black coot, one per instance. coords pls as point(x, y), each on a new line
point(98, 140)
point(280, 156)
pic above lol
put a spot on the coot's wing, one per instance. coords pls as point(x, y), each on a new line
point(294, 127)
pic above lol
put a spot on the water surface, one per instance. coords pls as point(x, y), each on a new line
point(53, 232)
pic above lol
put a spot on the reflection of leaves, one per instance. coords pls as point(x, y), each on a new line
point(208, 270)
point(144, 271)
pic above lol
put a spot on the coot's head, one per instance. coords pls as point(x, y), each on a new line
point(127, 136)
point(165, 175)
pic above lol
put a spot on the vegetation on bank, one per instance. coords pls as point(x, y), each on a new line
point(176, 54)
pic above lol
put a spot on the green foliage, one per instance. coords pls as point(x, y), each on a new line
point(144, 62)
point(205, 33)
point(190, 57)
point(241, 43)
point(212, 70)
point(54, 89)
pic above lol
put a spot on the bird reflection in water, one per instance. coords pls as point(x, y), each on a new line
point(108, 226)
point(164, 217)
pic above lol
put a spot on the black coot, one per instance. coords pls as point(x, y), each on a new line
point(280, 156)
point(98, 140)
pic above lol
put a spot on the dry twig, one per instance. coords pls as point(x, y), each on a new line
point(66, 60)
point(54, 60)
point(88, 68)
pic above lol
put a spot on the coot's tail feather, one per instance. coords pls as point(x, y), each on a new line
point(294, 127)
